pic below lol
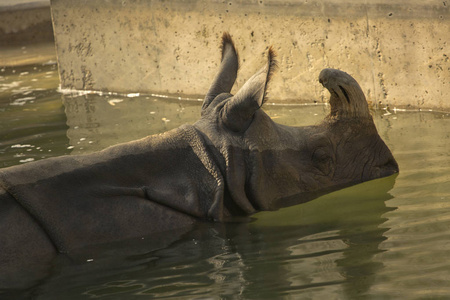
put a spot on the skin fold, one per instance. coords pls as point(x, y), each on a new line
point(234, 161)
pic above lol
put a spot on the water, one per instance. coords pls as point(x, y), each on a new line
point(384, 239)
point(33, 124)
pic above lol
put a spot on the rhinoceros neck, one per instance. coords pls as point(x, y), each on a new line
point(261, 165)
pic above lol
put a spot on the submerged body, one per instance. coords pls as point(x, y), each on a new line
point(233, 162)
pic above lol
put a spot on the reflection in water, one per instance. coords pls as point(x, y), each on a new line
point(32, 120)
point(335, 236)
point(96, 122)
point(322, 248)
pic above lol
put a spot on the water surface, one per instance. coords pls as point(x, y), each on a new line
point(384, 239)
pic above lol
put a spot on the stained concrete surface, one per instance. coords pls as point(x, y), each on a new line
point(397, 50)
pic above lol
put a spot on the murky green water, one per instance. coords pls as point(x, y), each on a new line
point(385, 239)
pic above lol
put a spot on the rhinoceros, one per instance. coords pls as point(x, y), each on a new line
point(233, 162)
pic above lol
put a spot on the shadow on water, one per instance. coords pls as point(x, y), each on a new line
point(323, 247)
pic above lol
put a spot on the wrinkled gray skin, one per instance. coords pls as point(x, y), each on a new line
point(231, 163)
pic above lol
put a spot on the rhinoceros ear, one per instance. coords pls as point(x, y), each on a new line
point(238, 112)
point(347, 99)
point(225, 78)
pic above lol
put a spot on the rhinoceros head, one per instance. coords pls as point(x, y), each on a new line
point(267, 165)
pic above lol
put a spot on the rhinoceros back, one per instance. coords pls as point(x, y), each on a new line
point(133, 189)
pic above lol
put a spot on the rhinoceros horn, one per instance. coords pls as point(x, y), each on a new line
point(347, 99)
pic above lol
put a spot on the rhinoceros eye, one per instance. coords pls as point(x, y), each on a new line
point(323, 160)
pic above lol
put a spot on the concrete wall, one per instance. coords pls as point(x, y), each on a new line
point(398, 50)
